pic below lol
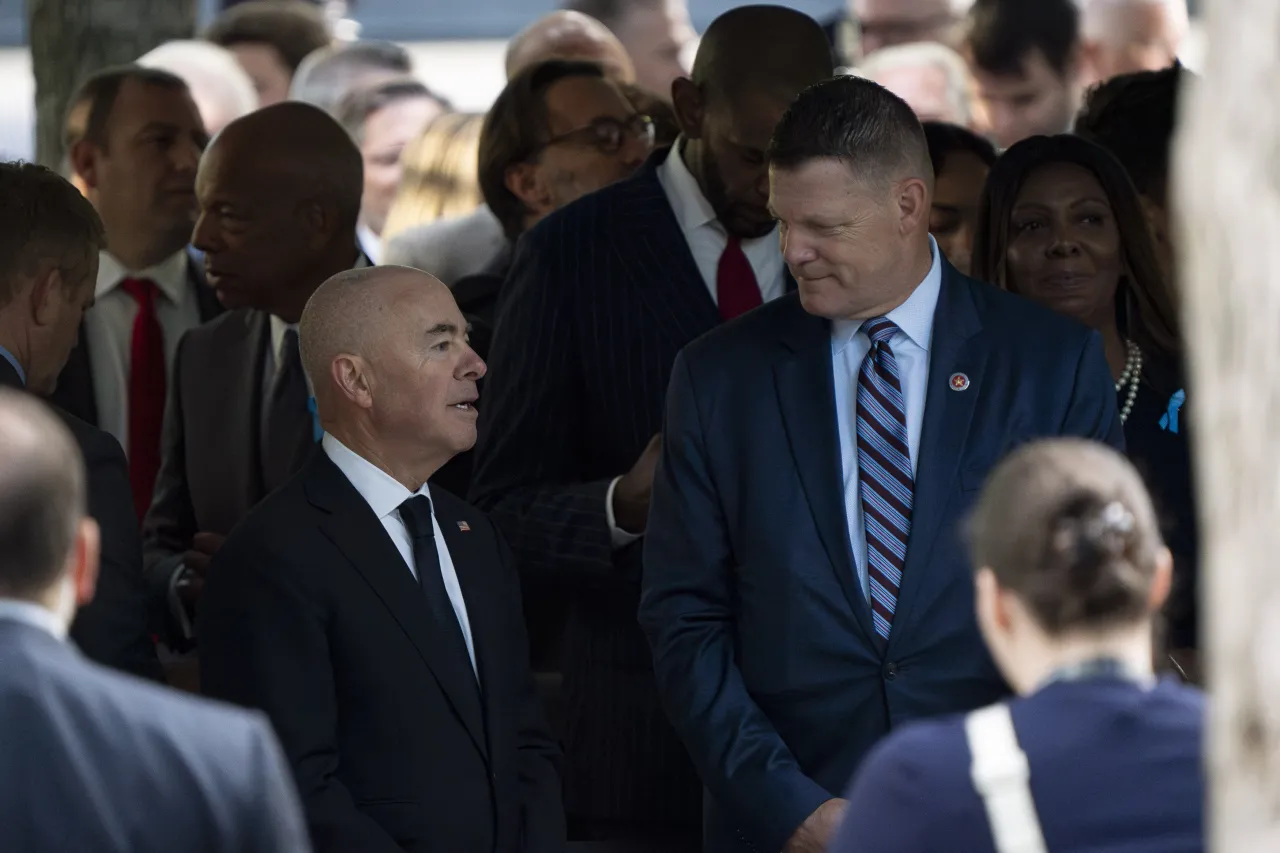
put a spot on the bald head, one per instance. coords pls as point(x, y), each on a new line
point(300, 145)
point(394, 377)
point(221, 88)
point(351, 314)
point(772, 49)
point(569, 35)
point(42, 496)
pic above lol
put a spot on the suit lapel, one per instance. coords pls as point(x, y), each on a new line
point(806, 396)
point(958, 347)
point(471, 560)
point(657, 259)
point(360, 536)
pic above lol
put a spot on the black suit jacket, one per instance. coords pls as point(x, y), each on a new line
point(75, 383)
point(114, 628)
point(311, 614)
point(601, 297)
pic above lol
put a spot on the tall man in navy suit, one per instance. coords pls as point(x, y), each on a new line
point(601, 296)
point(804, 585)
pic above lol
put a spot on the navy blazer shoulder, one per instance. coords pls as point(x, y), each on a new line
point(96, 760)
point(1111, 764)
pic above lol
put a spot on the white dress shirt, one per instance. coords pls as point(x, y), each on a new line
point(108, 328)
point(910, 345)
point(384, 495)
point(707, 240)
point(706, 236)
point(370, 243)
point(36, 615)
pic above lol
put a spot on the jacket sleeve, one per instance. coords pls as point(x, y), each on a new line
point(687, 612)
point(114, 628)
point(276, 824)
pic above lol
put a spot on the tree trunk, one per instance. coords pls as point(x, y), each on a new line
point(1227, 193)
point(71, 39)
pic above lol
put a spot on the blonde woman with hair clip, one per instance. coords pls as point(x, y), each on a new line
point(1096, 754)
point(439, 222)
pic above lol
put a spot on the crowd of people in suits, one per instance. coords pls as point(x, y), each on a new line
point(626, 509)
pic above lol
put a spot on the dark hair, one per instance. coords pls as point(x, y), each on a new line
point(357, 105)
point(854, 120)
point(1003, 33)
point(328, 73)
point(515, 127)
point(1067, 526)
point(42, 495)
point(293, 28)
point(1133, 116)
point(100, 91)
point(1145, 306)
point(944, 138)
point(46, 220)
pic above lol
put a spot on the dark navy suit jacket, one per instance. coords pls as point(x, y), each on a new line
point(763, 645)
point(1113, 767)
point(95, 760)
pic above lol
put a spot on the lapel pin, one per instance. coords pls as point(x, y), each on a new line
point(464, 527)
point(959, 382)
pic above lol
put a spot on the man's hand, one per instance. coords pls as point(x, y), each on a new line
point(818, 829)
point(631, 495)
point(203, 547)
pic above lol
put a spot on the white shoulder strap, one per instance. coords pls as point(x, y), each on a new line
point(1002, 778)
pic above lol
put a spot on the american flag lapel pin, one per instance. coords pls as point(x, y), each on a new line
point(464, 527)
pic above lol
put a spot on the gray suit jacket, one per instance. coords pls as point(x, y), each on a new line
point(449, 249)
point(95, 760)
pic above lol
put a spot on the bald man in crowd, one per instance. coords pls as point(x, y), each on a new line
point(279, 194)
point(377, 619)
point(569, 35)
point(222, 90)
point(94, 760)
point(574, 401)
point(1124, 36)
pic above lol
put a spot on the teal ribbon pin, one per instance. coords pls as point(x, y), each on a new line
point(317, 431)
point(1169, 420)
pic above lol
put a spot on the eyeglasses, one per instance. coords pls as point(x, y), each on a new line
point(606, 135)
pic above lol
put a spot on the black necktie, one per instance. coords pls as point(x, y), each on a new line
point(416, 515)
point(286, 427)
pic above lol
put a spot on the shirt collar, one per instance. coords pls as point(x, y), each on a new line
point(914, 318)
point(690, 206)
point(370, 243)
point(382, 492)
point(36, 615)
point(13, 360)
point(170, 275)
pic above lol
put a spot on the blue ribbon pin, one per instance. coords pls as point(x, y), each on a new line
point(317, 432)
point(1169, 420)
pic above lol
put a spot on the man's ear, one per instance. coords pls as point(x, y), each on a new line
point(912, 197)
point(86, 553)
point(350, 374)
point(321, 218)
point(45, 291)
point(524, 180)
point(690, 107)
point(84, 162)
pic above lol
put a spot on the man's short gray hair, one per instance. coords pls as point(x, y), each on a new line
point(926, 54)
point(328, 74)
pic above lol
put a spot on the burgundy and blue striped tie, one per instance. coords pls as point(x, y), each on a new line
point(884, 471)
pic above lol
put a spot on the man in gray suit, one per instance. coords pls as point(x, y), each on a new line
point(94, 760)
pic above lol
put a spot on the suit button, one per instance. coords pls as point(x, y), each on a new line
point(890, 671)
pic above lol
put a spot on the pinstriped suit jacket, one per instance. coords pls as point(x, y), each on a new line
point(601, 297)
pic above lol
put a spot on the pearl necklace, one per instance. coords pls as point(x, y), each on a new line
point(1132, 373)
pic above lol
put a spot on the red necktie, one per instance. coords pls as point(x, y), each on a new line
point(736, 289)
point(146, 393)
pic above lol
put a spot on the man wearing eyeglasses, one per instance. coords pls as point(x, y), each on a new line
point(600, 298)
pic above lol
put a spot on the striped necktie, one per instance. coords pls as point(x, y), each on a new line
point(884, 471)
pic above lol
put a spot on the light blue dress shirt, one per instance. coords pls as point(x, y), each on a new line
point(12, 359)
point(910, 345)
